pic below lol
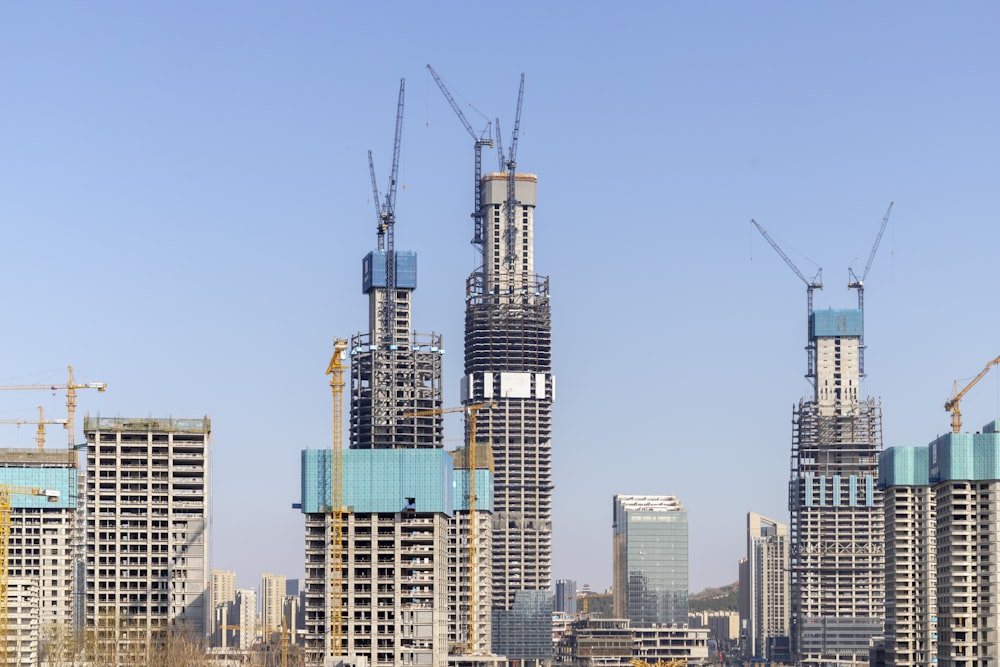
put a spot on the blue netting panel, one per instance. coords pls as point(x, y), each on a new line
point(62, 480)
point(381, 480)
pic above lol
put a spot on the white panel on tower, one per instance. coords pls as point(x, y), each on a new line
point(515, 385)
point(487, 385)
point(540, 386)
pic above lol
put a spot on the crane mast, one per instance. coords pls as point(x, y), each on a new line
point(386, 221)
point(815, 283)
point(336, 372)
point(481, 140)
point(859, 284)
point(510, 231)
point(40, 422)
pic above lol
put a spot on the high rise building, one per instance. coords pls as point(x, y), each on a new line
point(408, 592)
point(565, 596)
point(246, 615)
point(650, 560)
point(836, 523)
point(222, 592)
point(508, 367)
point(944, 551)
point(272, 600)
point(764, 587)
point(147, 537)
point(910, 557)
point(41, 532)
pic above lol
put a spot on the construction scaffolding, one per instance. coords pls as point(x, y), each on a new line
point(837, 531)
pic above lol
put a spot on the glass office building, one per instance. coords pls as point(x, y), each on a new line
point(650, 560)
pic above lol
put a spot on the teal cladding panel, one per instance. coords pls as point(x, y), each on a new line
point(973, 457)
point(869, 491)
point(822, 491)
point(836, 490)
point(836, 323)
point(62, 480)
point(484, 490)
point(853, 491)
point(809, 489)
point(904, 466)
point(380, 480)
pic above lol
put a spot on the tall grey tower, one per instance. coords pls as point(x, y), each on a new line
point(836, 530)
point(835, 507)
point(508, 366)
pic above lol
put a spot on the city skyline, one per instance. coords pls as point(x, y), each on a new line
point(208, 165)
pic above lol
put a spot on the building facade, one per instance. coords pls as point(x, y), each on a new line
point(40, 544)
point(650, 560)
point(910, 556)
point(410, 592)
point(272, 602)
point(147, 537)
point(764, 587)
point(836, 526)
point(508, 368)
point(565, 596)
point(947, 549)
point(405, 581)
point(222, 592)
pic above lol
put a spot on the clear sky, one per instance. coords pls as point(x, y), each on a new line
point(185, 200)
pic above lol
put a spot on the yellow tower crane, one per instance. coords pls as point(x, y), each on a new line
point(337, 512)
point(471, 411)
point(952, 403)
point(6, 491)
point(41, 422)
point(70, 388)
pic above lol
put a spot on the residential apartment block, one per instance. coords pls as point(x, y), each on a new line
point(147, 519)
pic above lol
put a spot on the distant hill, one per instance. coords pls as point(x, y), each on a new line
point(725, 598)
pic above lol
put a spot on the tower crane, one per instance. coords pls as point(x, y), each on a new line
point(471, 411)
point(815, 283)
point(952, 403)
point(510, 231)
point(859, 283)
point(6, 491)
point(41, 422)
point(385, 212)
point(336, 372)
point(481, 140)
point(70, 388)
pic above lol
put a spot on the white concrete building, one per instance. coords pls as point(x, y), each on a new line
point(147, 519)
point(764, 585)
point(41, 546)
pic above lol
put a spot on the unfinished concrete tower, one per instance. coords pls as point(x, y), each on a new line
point(508, 366)
point(835, 507)
point(394, 370)
point(147, 531)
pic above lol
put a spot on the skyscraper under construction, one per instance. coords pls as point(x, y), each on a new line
point(508, 367)
point(836, 530)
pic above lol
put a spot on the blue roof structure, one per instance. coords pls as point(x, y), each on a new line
point(837, 323)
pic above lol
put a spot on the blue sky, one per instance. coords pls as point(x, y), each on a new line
point(186, 201)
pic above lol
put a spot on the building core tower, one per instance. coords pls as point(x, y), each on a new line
point(508, 367)
point(836, 525)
